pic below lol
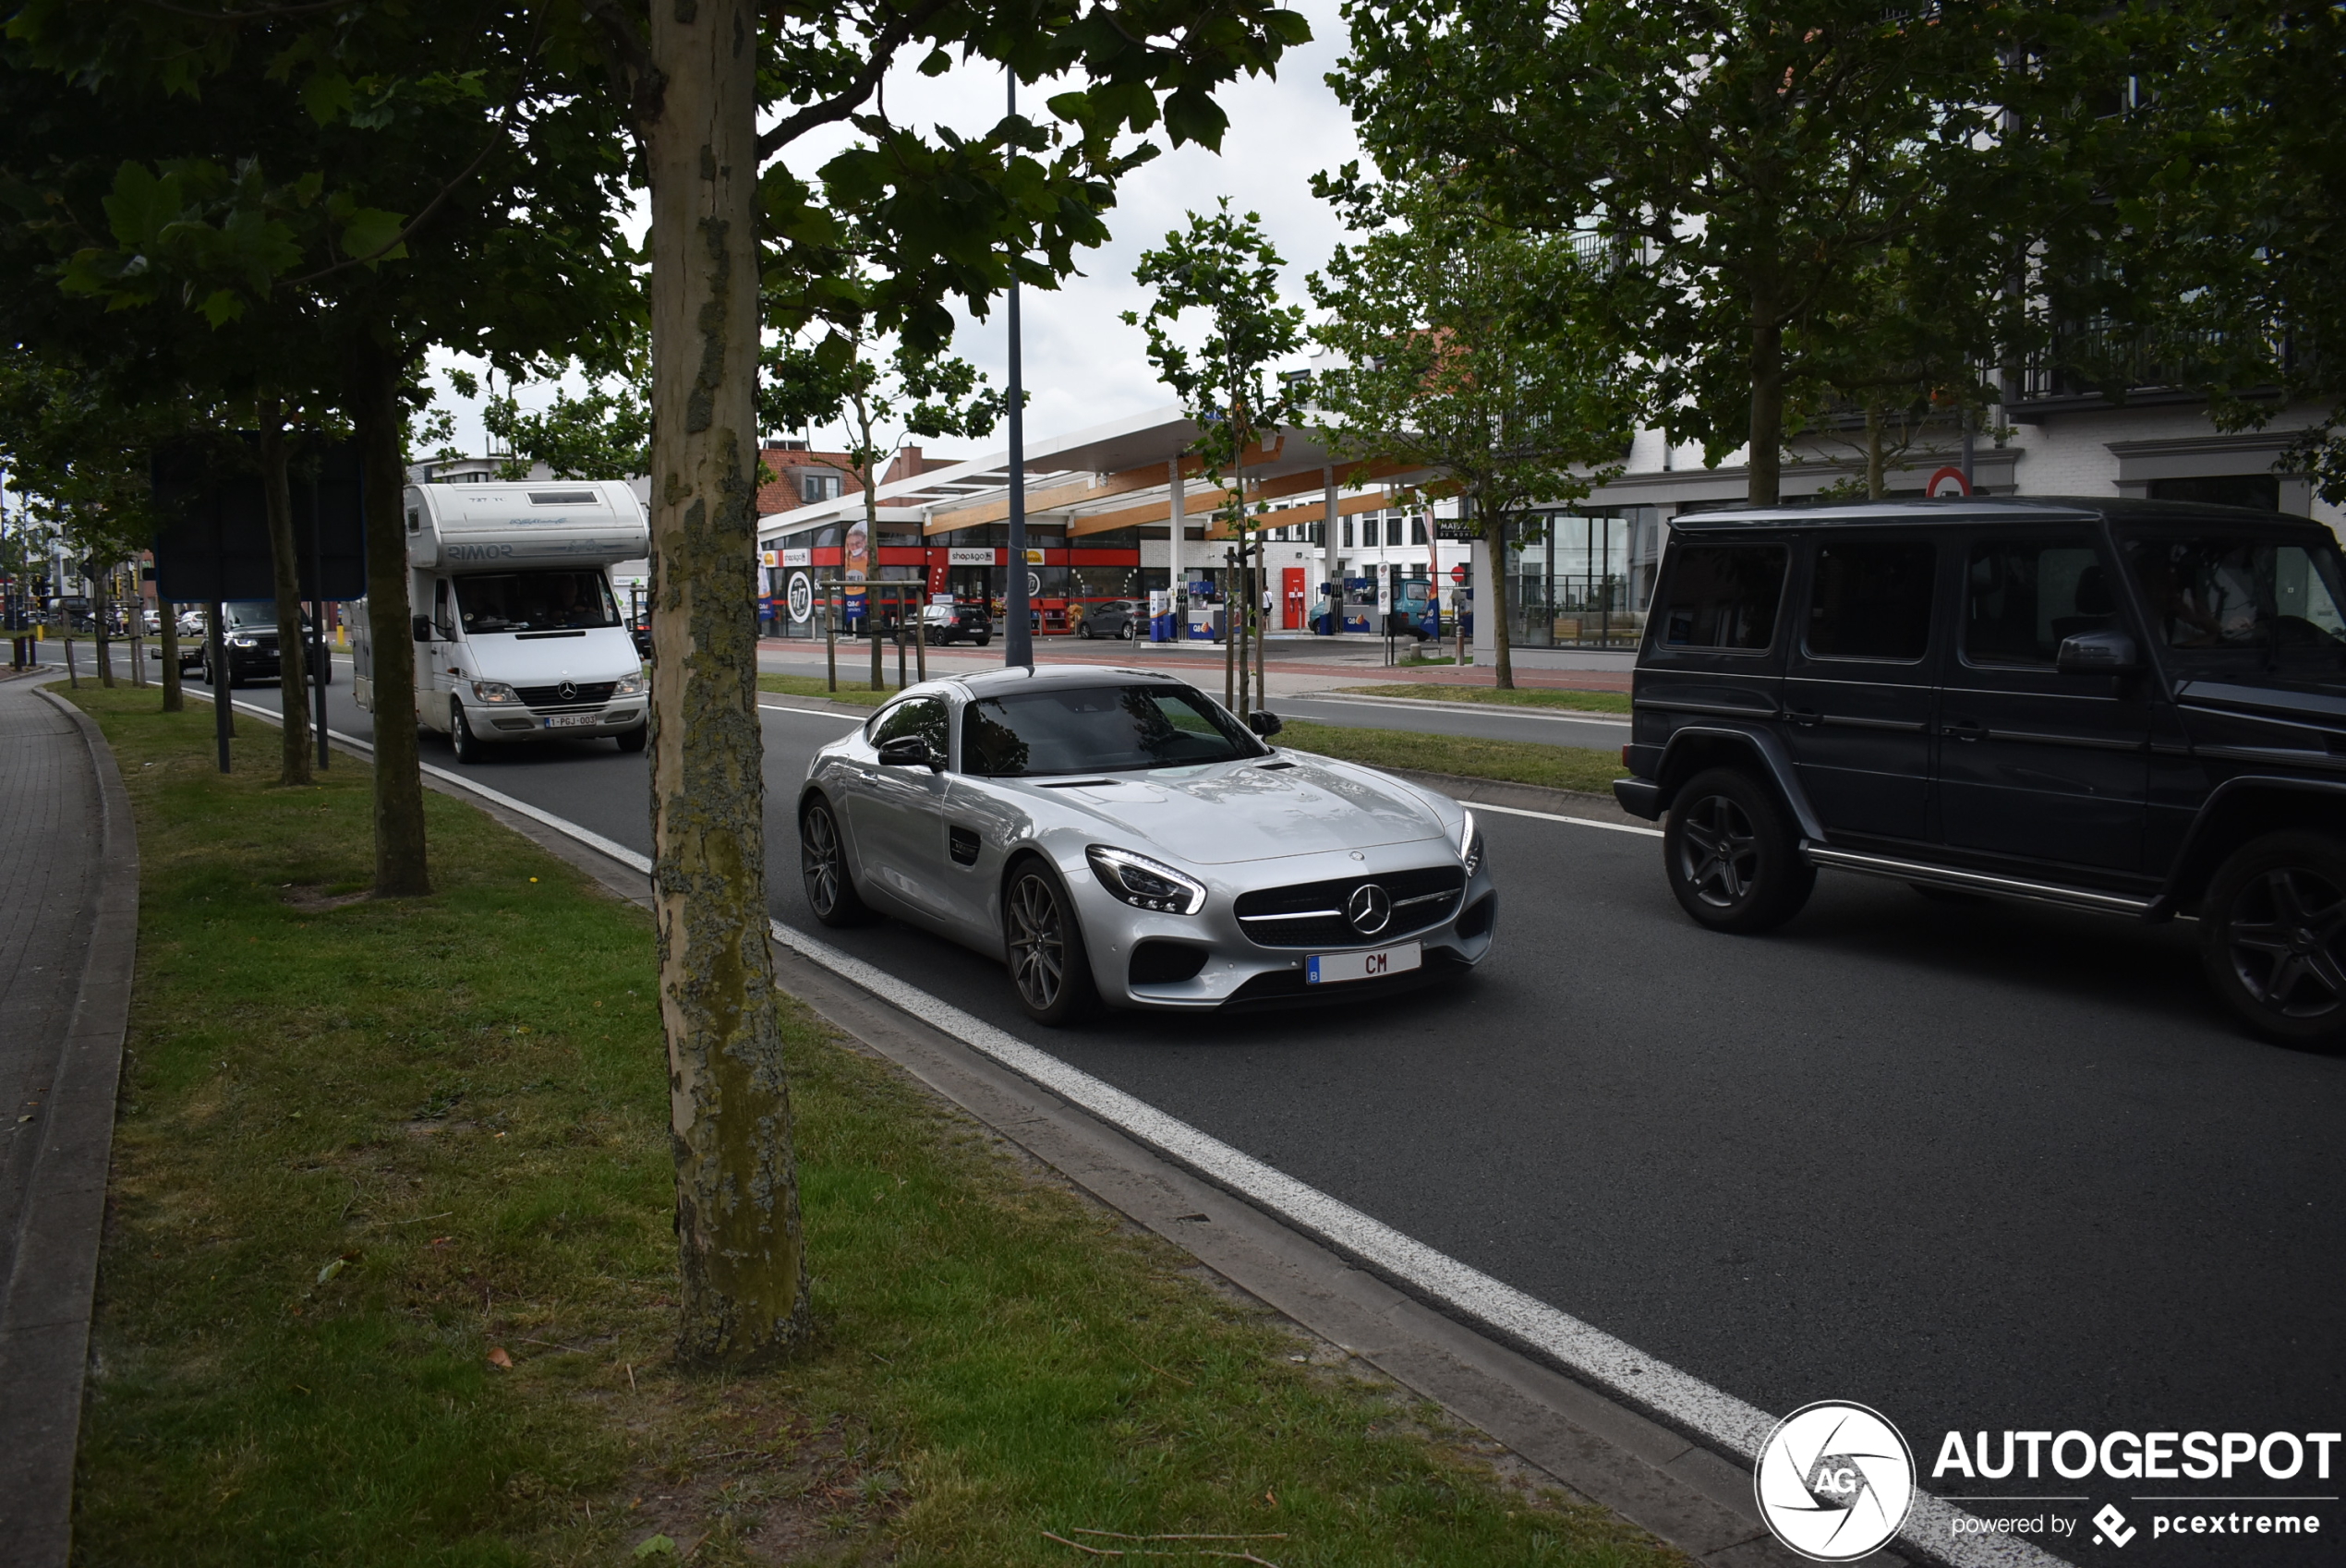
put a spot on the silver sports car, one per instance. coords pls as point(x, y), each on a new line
point(1114, 835)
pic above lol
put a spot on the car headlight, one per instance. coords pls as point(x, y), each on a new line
point(244, 642)
point(494, 692)
point(1469, 844)
point(1143, 883)
point(628, 685)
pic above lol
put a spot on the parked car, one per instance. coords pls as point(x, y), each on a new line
point(2133, 708)
point(1123, 619)
point(943, 624)
point(250, 629)
point(1120, 837)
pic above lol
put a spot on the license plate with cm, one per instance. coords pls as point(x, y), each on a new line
point(1319, 971)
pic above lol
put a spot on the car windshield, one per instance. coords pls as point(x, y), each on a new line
point(535, 602)
point(258, 613)
point(2228, 599)
point(1099, 729)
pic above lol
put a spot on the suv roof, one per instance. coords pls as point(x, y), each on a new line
point(1976, 510)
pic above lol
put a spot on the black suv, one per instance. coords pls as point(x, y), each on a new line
point(250, 629)
point(2135, 708)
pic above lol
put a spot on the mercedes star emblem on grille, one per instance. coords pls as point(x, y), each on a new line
point(567, 692)
point(1369, 909)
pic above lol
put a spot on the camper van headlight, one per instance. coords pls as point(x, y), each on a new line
point(494, 692)
point(628, 685)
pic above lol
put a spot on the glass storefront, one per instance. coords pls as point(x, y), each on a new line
point(1581, 578)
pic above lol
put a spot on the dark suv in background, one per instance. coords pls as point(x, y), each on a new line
point(2134, 707)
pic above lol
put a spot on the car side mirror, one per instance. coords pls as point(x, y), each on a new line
point(2097, 653)
point(910, 751)
point(1264, 722)
point(422, 628)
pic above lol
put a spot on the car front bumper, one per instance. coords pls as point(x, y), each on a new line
point(1238, 972)
point(616, 718)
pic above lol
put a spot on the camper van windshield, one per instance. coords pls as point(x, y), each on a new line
point(535, 602)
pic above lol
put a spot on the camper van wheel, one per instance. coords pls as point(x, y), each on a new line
point(632, 740)
point(460, 735)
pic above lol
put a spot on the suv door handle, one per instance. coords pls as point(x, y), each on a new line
point(1805, 716)
point(1968, 729)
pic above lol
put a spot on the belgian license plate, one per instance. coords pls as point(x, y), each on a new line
point(573, 720)
point(1360, 966)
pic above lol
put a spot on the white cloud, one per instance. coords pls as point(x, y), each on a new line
point(1082, 364)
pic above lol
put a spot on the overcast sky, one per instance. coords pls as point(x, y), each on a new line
point(1083, 365)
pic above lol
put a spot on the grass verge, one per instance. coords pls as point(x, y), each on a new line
point(387, 1277)
point(1520, 696)
point(1517, 762)
point(854, 687)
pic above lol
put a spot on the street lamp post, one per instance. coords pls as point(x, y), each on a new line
point(1017, 647)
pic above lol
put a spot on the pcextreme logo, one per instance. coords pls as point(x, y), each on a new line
point(1834, 1481)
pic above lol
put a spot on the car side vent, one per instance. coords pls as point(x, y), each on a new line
point(1166, 963)
point(1077, 784)
point(1272, 767)
point(962, 844)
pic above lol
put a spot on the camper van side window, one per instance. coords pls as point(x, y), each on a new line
point(440, 616)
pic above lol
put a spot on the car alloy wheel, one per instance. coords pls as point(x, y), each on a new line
point(1046, 948)
point(1084, 628)
point(822, 867)
point(1731, 856)
point(2273, 937)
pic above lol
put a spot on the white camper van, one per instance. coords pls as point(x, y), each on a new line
point(518, 635)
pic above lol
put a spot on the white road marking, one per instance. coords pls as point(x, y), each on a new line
point(1505, 709)
point(1584, 1350)
point(1558, 817)
point(815, 712)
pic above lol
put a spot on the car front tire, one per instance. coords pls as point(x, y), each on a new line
point(1043, 944)
point(632, 740)
point(2272, 937)
point(1732, 858)
point(461, 738)
point(822, 867)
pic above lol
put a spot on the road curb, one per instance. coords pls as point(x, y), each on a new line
point(51, 1290)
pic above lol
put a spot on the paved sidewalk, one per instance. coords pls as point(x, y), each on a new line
point(68, 936)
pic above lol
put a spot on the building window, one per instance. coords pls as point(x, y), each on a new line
point(1347, 533)
point(1417, 528)
point(817, 485)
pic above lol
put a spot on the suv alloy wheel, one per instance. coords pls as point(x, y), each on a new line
point(2272, 936)
point(1734, 860)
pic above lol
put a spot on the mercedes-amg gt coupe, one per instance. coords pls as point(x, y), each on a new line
point(1116, 836)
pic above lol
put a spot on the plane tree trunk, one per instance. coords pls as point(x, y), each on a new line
point(400, 871)
point(276, 493)
point(742, 1265)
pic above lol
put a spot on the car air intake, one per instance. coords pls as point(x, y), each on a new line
point(1166, 963)
point(1479, 915)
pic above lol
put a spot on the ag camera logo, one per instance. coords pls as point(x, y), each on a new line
point(1835, 1482)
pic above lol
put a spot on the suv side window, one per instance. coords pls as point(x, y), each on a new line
point(1872, 599)
point(1724, 597)
point(2023, 595)
point(924, 717)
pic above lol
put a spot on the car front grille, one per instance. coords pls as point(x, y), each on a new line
point(1311, 914)
point(585, 694)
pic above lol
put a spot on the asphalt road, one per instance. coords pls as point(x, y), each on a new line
point(1979, 1166)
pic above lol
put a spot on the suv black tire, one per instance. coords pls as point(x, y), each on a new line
point(822, 867)
point(2272, 936)
point(1043, 946)
point(1731, 855)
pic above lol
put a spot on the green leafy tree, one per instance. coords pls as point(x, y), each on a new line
point(603, 433)
point(1467, 346)
point(1730, 168)
point(1226, 268)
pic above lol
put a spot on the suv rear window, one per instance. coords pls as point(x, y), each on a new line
point(1724, 597)
point(1872, 599)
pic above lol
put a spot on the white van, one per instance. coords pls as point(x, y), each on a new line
point(519, 634)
